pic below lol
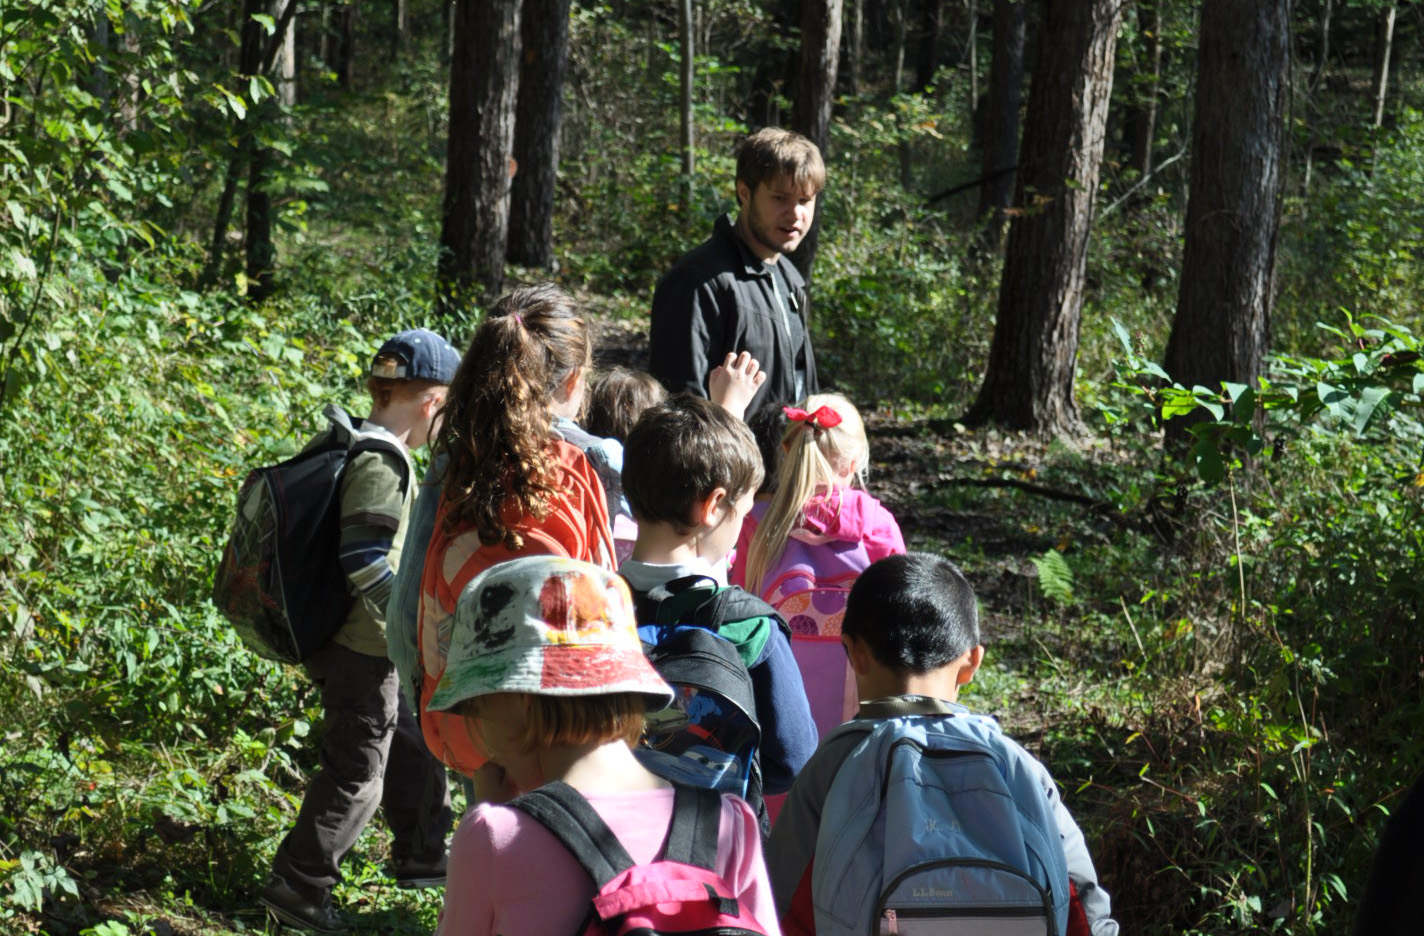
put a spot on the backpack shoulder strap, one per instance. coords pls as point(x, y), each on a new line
point(736, 604)
point(563, 810)
point(696, 821)
point(681, 601)
point(368, 438)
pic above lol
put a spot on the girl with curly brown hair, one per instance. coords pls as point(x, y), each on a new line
point(512, 485)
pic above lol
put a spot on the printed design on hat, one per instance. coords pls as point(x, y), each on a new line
point(575, 606)
point(492, 628)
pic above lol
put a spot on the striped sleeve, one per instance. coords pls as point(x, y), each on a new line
point(372, 505)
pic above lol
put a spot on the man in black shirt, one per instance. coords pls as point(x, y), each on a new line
point(736, 292)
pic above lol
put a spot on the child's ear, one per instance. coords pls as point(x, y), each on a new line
point(709, 512)
point(858, 653)
point(431, 404)
point(974, 657)
point(571, 385)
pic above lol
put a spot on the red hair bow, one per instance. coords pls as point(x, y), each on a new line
point(823, 418)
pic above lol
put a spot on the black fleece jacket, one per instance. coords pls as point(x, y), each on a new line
point(720, 298)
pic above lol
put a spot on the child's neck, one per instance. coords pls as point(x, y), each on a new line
point(395, 420)
point(607, 767)
point(880, 683)
point(661, 544)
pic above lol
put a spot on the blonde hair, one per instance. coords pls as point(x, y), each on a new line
point(815, 458)
point(556, 721)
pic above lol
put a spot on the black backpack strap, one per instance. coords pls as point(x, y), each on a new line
point(563, 810)
point(696, 822)
point(737, 604)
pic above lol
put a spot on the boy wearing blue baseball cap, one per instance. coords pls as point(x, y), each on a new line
point(372, 752)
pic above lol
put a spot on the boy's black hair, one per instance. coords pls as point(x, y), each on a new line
point(915, 612)
point(767, 425)
point(679, 452)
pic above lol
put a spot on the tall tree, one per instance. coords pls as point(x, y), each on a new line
point(484, 81)
point(1141, 120)
point(689, 154)
point(1384, 46)
point(258, 56)
point(1001, 141)
point(539, 117)
point(931, 44)
point(1034, 353)
point(815, 93)
point(1234, 209)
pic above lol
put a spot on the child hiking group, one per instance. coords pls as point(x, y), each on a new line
point(693, 678)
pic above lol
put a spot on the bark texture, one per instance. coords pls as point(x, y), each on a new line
point(484, 81)
point(815, 93)
point(1233, 214)
point(1034, 353)
point(544, 27)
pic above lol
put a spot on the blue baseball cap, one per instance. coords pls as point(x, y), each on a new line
point(421, 355)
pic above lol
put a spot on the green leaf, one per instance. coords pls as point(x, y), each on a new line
point(1155, 369)
point(1244, 406)
point(1122, 336)
point(1210, 467)
point(1055, 578)
point(1370, 401)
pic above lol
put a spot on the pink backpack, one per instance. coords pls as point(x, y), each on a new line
point(809, 590)
point(679, 892)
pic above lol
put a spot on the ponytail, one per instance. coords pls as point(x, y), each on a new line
point(816, 456)
point(496, 420)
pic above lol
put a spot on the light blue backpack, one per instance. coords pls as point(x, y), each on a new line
point(936, 826)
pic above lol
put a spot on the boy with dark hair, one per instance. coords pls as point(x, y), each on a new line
point(911, 630)
point(738, 291)
point(689, 474)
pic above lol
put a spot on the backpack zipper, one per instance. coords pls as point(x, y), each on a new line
point(1045, 893)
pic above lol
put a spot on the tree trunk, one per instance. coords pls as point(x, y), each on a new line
point(855, 44)
point(931, 44)
point(261, 253)
point(1143, 120)
point(345, 44)
point(257, 241)
point(1234, 210)
point(815, 93)
point(1323, 58)
point(689, 160)
point(973, 56)
point(1001, 144)
point(900, 14)
point(400, 27)
point(538, 124)
point(1384, 45)
point(484, 82)
point(285, 70)
point(256, 56)
point(1034, 354)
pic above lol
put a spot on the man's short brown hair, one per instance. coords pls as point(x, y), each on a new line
point(679, 453)
point(773, 152)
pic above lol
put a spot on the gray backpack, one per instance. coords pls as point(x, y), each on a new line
point(935, 826)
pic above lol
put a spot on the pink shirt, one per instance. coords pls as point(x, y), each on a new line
point(510, 877)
